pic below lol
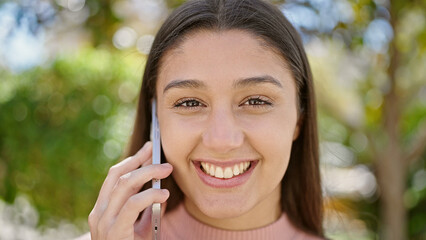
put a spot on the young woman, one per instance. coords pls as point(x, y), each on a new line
point(237, 114)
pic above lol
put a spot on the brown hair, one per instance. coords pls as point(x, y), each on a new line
point(301, 196)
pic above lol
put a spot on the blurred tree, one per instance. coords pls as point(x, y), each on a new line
point(390, 92)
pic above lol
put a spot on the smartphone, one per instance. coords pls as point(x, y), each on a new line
point(156, 159)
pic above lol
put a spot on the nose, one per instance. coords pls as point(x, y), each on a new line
point(222, 133)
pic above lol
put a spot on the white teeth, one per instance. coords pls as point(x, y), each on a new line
point(212, 171)
point(219, 172)
point(207, 167)
point(236, 170)
point(229, 172)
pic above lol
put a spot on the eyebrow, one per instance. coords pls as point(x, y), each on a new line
point(244, 82)
point(252, 81)
point(188, 83)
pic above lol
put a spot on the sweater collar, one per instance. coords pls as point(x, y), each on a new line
point(179, 224)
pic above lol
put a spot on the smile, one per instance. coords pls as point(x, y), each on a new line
point(228, 172)
point(224, 175)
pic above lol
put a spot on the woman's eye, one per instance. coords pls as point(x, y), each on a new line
point(257, 101)
point(188, 103)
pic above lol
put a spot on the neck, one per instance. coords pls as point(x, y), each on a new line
point(262, 214)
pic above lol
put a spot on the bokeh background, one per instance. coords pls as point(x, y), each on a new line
point(70, 71)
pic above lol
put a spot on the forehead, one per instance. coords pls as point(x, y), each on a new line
point(230, 54)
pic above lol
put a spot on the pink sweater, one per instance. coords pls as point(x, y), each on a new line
point(179, 225)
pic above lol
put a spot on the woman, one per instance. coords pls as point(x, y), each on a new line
point(237, 114)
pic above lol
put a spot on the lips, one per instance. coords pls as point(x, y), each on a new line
point(224, 175)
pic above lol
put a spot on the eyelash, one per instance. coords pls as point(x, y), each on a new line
point(181, 102)
point(264, 102)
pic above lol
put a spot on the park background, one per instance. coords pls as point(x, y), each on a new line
point(70, 71)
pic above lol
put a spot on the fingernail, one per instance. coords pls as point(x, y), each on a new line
point(167, 164)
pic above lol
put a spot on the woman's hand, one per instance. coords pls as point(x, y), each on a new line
point(119, 203)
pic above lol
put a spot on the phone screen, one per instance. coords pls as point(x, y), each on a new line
point(156, 159)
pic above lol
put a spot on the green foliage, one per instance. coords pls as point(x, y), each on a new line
point(63, 126)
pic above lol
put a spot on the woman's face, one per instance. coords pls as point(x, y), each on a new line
point(227, 110)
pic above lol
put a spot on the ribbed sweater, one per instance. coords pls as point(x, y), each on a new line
point(179, 225)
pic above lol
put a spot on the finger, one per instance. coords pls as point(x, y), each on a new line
point(114, 173)
point(125, 166)
point(136, 204)
point(131, 183)
point(147, 163)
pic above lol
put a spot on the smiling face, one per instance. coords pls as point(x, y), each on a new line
point(227, 109)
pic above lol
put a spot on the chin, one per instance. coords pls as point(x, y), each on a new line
point(223, 207)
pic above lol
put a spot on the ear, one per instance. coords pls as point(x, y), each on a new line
point(298, 127)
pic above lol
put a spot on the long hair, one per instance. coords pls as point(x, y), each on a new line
point(301, 196)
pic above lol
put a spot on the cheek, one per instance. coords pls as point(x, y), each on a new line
point(272, 137)
point(276, 153)
point(274, 145)
point(178, 138)
point(274, 128)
